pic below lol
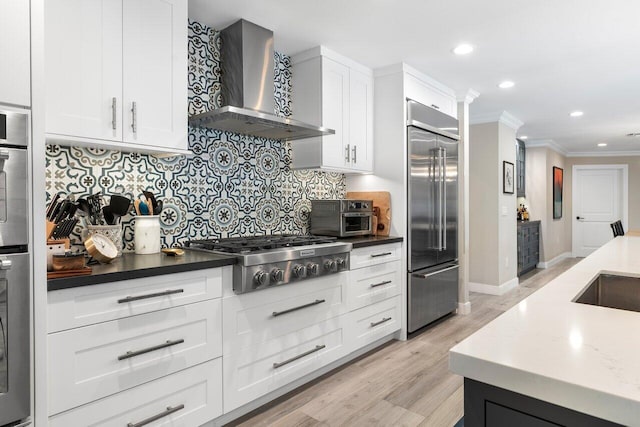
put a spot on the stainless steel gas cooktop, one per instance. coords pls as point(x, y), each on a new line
point(267, 261)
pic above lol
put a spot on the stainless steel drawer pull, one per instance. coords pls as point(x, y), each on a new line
point(170, 410)
point(375, 285)
point(289, 310)
point(300, 356)
point(347, 159)
point(354, 152)
point(382, 254)
point(435, 106)
point(114, 115)
point(380, 322)
point(154, 295)
point(134, 117)
point(135, 353)
point(424, 276)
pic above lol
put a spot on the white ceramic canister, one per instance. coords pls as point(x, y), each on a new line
point(146, 234)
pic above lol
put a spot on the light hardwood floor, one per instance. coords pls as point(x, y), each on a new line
point(404, 383)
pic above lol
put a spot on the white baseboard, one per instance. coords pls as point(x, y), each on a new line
point(484, 288)
point(554, 261)
point(464, 307)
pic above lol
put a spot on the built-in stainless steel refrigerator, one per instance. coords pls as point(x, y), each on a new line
point(432, 245)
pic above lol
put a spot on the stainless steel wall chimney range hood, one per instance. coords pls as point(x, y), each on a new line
point(247, 88)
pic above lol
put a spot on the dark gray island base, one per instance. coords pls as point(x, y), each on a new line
point(132, 266)
point(489, 406)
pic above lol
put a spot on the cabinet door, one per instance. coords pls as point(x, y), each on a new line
point(155, 72)
point(15, 84)
point(335, 114)
point(83, 42)
point(361, 121)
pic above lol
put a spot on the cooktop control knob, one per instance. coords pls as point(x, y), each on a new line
point(261, 278)
point(300, 271)
point(312, 268)
point(330, 265)
point(277, 275)
point(340, 262)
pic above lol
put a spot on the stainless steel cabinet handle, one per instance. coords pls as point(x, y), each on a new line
point(134, 117)
point(289, 310)
point(170, 410)
point(424, 276)
point(154, 295)
point(380, 322)
point(354, 152)
point(347, 153)
point(382, 254)
point(114, 115)
point(435, 106)
point(300, 356)
point(5, 264)
point(130, 354)
point(375, 285)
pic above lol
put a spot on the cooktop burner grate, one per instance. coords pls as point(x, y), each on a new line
point(258, 243)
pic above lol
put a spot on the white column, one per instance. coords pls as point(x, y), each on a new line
point(464, 305)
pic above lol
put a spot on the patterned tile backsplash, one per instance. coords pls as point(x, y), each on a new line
point(234, 185)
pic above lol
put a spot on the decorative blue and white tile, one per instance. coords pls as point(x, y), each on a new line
point(233, 185)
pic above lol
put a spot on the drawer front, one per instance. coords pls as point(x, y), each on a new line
point(267, 314)
point(258, 369)
point(95, 361)
point(373, 322)
point(372, 284)
point(373, 255)
point(76, 307)
point(197, 389)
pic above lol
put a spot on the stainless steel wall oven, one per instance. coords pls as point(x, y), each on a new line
point(15, 277)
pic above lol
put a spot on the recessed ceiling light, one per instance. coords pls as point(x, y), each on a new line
point(463, 49)
point(602, 144)
point(576, 113)
point(524, 137)
point(506, 84)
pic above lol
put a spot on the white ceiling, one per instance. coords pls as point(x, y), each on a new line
point(563, 55)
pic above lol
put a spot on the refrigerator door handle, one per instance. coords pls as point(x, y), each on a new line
point(433, 273)
point(443, 180)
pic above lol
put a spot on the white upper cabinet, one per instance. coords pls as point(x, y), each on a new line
point(429, 92)
point(15, 70)
point(332, 91)
point(117, 73)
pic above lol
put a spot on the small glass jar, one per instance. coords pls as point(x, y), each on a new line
point(146, 232)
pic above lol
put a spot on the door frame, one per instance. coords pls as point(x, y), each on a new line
point(624, 168)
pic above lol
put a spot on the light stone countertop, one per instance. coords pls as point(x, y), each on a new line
point(579, 356)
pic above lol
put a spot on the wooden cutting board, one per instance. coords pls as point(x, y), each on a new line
point(382, 200)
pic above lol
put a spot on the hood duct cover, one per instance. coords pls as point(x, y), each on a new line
point(247, 88)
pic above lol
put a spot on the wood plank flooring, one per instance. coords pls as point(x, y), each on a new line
point(404, 383)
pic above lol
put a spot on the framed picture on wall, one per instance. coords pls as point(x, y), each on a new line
point(557, 192)
point(508, 177)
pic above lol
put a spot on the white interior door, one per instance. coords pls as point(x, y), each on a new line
point(599, 198)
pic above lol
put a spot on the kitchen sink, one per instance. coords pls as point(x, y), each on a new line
point(609, 290)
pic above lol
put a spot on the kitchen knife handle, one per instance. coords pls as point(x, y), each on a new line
point(130, 354)
point(114, 115)
point(134, 117)
point(300, 356)
point(347, 154)
point(170, 410)
point(153, 295)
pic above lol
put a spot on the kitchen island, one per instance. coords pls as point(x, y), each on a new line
point(550, 357)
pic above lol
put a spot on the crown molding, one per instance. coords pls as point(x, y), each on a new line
point(603, 154)
point(503, 117)
point(548, 143)
point(468, 97)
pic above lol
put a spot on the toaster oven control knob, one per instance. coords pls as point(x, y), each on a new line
point(277, 275)
point(261, 278)
point(300, 271)
point(312, 268)
point(330, 265)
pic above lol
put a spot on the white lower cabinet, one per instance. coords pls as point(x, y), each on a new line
point(187, 398)
point(374, 321)
point(92, 362)
point(258, 369)
point(372, 284)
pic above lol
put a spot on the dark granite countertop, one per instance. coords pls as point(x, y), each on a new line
point(364, 241)
point(132, 266)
